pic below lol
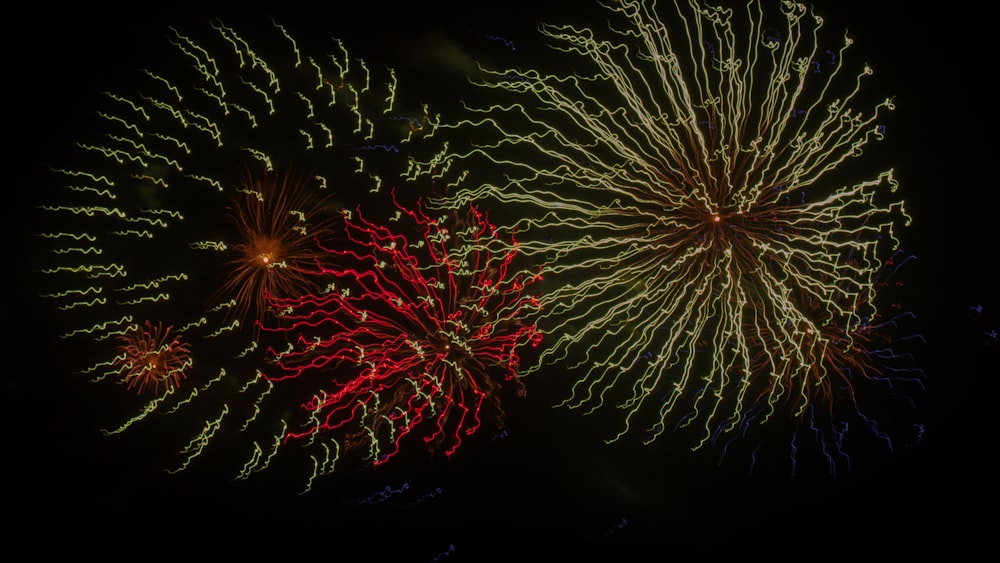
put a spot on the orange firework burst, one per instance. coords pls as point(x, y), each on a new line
point(150, 356)
point(278, 222)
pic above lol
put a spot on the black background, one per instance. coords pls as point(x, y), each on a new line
point(550, 489)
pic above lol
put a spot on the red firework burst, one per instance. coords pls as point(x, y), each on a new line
point(151, 357)
point(278, 220)
point(433, 325)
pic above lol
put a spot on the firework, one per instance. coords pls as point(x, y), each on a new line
point(682, 186)
point(419, 334)
point(150, 357)
point(277, 225)
point(203, 185)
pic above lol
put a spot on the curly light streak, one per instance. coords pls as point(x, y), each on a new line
point(683, 187)
point(413, 333)
point(189, 176)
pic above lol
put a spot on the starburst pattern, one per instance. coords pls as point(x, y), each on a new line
point(416, 333)
point(279, 223)
point(683, 186)
point(150, 357)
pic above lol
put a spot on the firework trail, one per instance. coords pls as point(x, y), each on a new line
point(420, 334)
point(708, 266)
point(198, 192)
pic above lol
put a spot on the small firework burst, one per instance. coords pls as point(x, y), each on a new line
point(151, 357)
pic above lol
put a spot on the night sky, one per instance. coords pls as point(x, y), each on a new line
point(548, 487)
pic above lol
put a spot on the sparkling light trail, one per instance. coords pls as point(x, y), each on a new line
point(420, 331)
point(684, 185)
point(197, 189)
